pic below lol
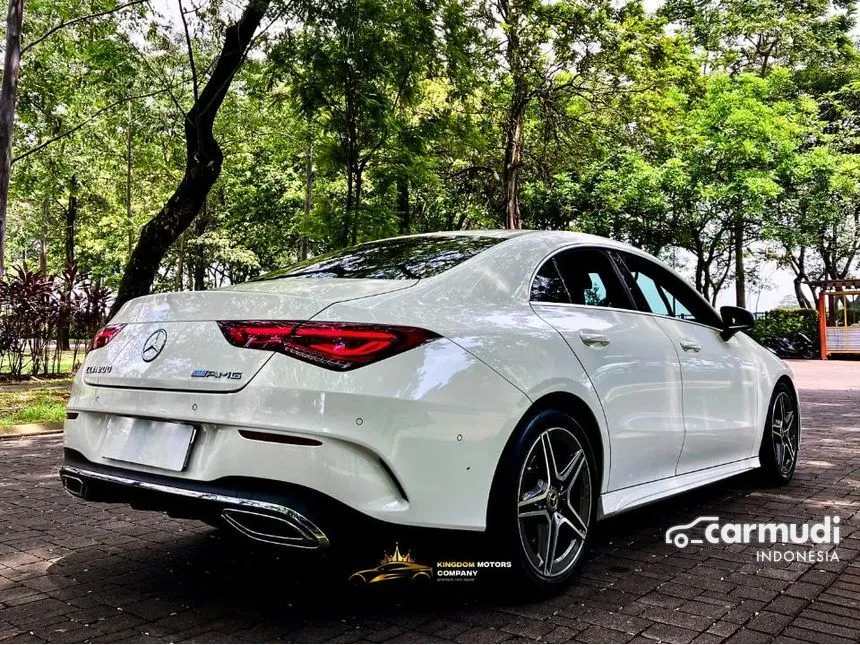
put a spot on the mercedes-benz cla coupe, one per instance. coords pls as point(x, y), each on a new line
point(526, 384)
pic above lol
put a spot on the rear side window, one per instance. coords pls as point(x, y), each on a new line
point(579, 277)
point(409, 258)
point(548, 285)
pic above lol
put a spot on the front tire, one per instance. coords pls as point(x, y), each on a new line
point(546, 501)
point(780, 444)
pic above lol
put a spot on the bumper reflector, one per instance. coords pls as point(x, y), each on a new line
point(278, 438)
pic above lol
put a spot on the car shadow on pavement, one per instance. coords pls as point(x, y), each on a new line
point(210, 572)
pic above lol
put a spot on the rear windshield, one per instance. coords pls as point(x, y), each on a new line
point(408, 258)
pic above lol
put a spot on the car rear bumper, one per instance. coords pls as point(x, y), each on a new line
point(265, 511)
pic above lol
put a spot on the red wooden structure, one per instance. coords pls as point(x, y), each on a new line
point(839, 316)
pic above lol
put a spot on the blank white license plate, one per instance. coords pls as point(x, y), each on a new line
point(159, 444)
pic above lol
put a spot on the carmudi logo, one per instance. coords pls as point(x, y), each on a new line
point(821, 537)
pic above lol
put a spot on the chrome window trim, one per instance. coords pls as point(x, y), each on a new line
point(606, 249)
point(624, 311)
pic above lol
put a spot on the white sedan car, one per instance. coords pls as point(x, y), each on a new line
point(526, 384)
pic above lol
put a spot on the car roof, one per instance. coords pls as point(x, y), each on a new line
point(549, 238)
point(503, 273)
point(499, 233)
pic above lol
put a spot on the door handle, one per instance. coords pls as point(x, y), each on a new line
point(594, 340)
point(690, 346)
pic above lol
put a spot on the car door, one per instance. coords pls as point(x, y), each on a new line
point(719, 377)
point(631, 362)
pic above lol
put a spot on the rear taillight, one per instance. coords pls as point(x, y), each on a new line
point(105, 335)
point(335, 346)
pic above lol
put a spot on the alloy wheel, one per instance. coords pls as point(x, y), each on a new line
point(784, 431)
point(554, 502)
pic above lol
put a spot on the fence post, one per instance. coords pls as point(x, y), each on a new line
point(822, 323)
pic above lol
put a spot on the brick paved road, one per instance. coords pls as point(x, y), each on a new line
point(71, 571)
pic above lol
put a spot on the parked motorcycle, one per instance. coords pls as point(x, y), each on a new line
point(798, 346)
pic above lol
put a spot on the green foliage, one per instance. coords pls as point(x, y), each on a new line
point(786, 323)
point(358, 119)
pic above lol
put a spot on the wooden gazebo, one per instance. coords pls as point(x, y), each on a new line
point(839, 316)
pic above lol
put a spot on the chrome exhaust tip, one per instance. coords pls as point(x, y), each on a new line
point(290, 529)
point(74, 486)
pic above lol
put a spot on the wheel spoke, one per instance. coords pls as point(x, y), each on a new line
point(549, 457)
point(551, 544)
point(788, 419)
point(575, 522)
point(532, 505)
point(571, 472)
point(789, 451)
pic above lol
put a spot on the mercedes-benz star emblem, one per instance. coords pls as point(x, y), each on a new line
point(153, 345)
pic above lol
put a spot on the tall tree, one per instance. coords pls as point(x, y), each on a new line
point(9, 91)
point(8, 98)
point(758, 38)
point(359, 65)
point(551, 54)
point(203, 159)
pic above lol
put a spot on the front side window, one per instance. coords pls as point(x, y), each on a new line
point(407, 258)
point(662, 293)
point(579, 277)
point(654, 296)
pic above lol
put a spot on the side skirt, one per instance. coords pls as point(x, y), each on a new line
point(626, 499)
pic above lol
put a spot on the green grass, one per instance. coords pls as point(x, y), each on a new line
point(68, 362)
point(33, 406)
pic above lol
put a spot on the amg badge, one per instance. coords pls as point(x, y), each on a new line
point(233, 376)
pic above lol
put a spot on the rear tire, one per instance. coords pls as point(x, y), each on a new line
point(545, 501)
point(780, 444)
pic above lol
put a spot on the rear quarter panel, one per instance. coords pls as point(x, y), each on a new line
point(511, 340)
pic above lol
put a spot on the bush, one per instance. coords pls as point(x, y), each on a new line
point(780, 323)
point(41, 316)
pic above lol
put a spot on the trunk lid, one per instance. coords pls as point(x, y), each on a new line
point(172, 341)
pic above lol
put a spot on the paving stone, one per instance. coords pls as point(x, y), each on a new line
point(72, 571)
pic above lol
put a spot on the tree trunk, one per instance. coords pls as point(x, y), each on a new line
point(403, 213)
point(798, 265)
point(199, 270)
point(514, 135)
point(203, 161)
point(43, 238)
point(64, 333)
point(356, 206)
point(740, 272)
point(180, 264)
point(350, 199)
point(71, 220)
point(129, 221)
point(513, 162)
point(802, 300)
point(309, 191)
point(8, 98)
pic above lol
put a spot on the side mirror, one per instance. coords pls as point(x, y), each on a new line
point(736, 319)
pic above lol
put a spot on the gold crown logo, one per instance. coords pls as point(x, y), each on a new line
point(397, 556)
